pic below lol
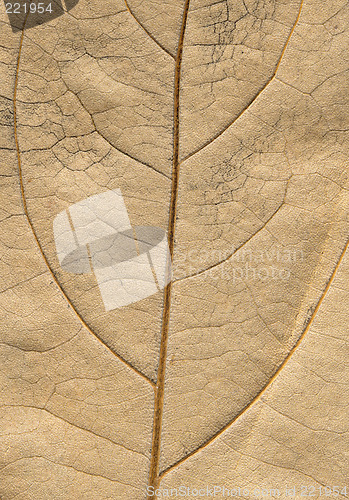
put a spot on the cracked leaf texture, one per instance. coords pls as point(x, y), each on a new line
point(226, 124)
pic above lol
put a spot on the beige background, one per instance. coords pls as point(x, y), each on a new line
point(257, 373)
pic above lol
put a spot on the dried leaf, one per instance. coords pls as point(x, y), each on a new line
point(224, 124)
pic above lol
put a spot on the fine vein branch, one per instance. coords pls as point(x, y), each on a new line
point(160, 385)
point(146, 31)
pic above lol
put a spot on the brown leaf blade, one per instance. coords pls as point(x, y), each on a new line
point(228, 128)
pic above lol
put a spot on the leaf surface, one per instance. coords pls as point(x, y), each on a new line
point(226, 125)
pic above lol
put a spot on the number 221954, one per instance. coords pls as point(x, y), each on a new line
point(30, 8)
point(323, 491)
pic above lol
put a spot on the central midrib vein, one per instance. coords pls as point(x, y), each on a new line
point(160, 384)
